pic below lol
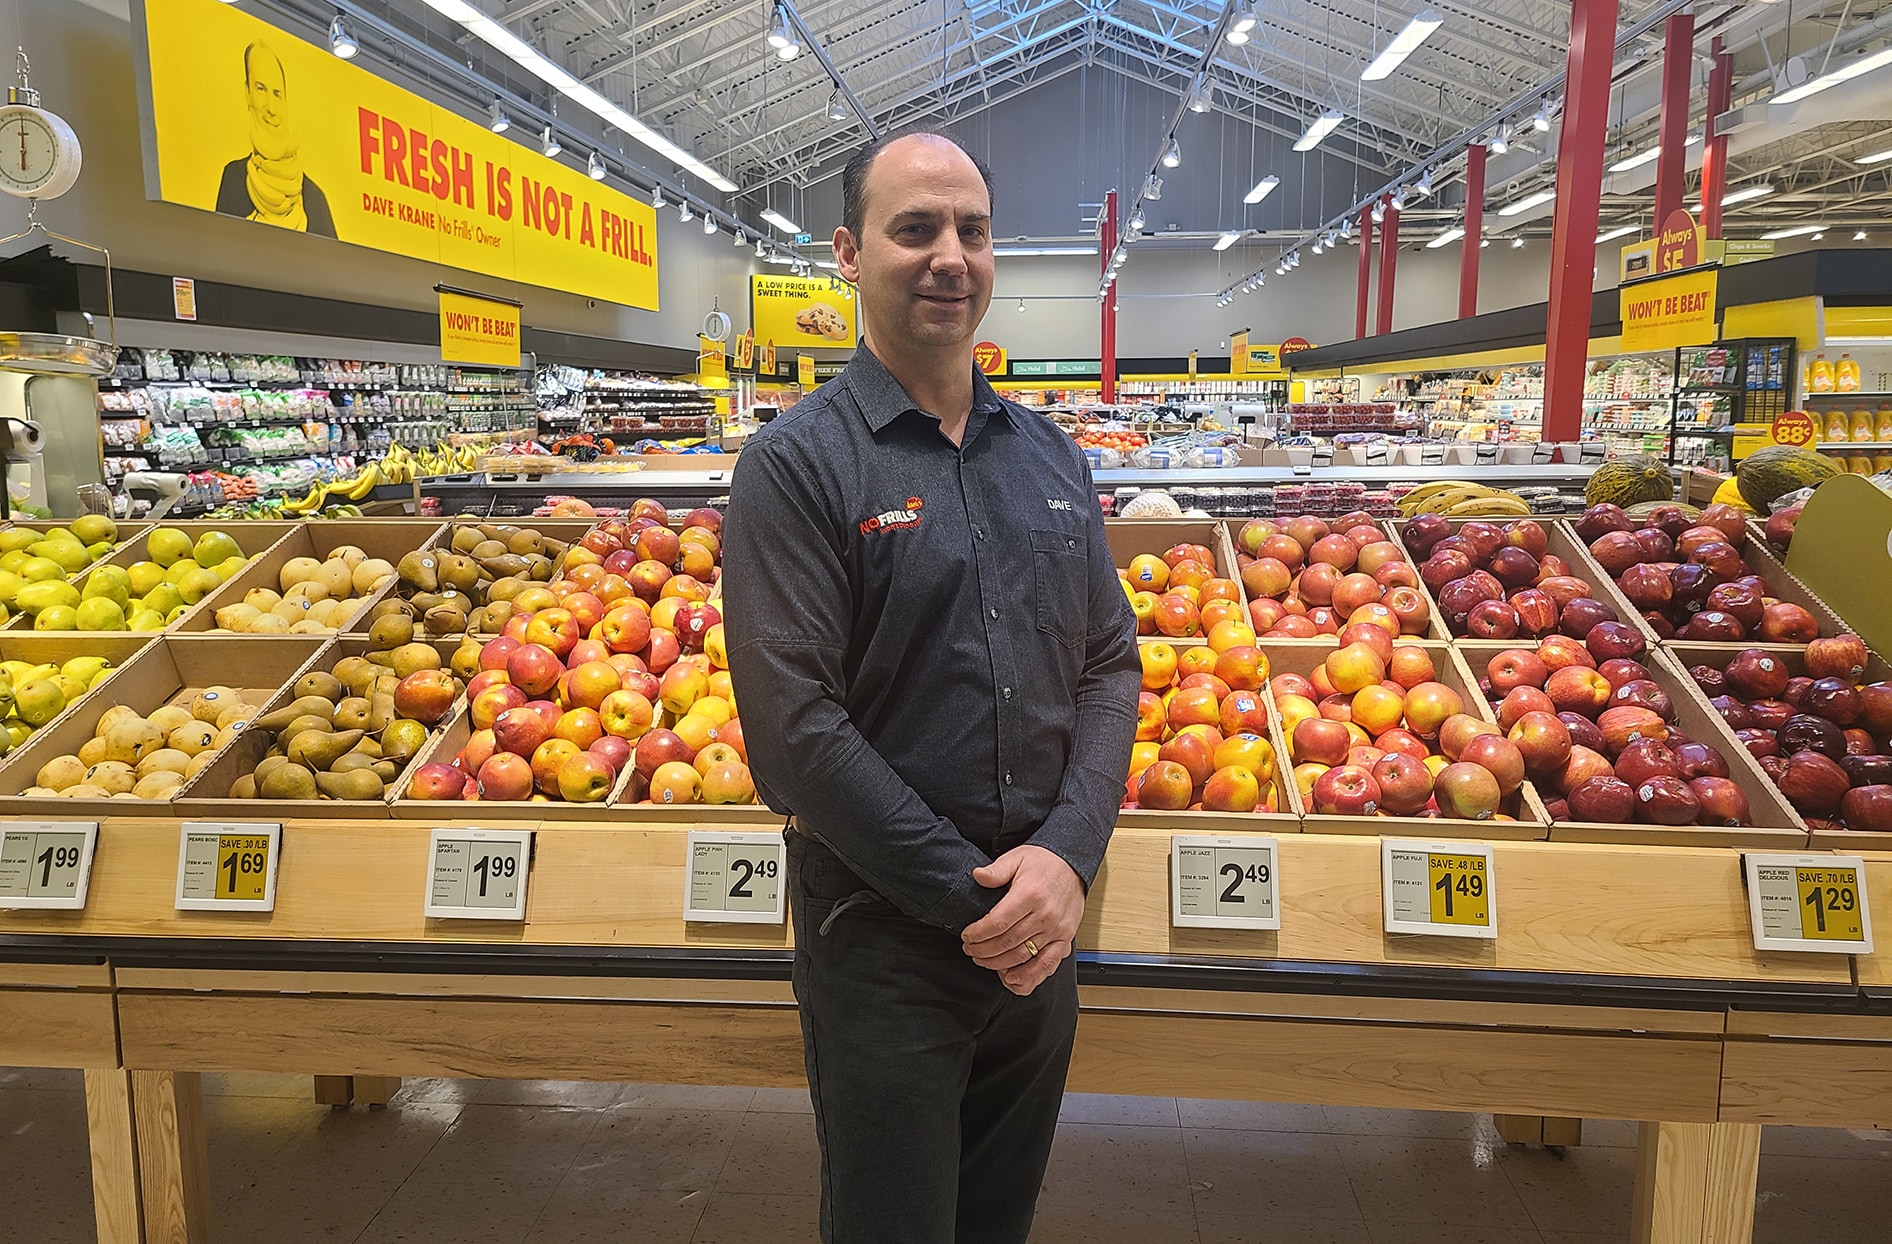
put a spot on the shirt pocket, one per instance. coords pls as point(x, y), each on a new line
point(1058, 566)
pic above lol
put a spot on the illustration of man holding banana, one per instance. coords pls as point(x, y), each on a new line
point(268, 184)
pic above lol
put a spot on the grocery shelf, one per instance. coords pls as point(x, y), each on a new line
point(1495, 472)
point(1834, 447)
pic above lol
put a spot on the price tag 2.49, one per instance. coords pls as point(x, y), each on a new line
point(1808, 902)
point(735, 877)
point(478, 874)
point(227, 866)
point(1224, 883)
point(46, 864)
point(1443, 888)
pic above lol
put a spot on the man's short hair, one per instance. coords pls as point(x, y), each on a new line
point(854, 176)
point(265, 49)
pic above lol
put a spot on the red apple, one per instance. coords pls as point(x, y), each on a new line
point(1583, 764)
point(1607, 640)
point(1405, 783)
point(1321, 741)
point(1536, 612)
point(1460, 729)
point(1166, 786)
point(1617, 551)
point(1543, 740)
point(1598, 519)
point(505, 777)
point(1786, 623)
point(1867, 808)
point(1720, 800)
point(1838, 656)
point(1346, 790)
point(1814, 783)
point(1665, 800)
point(659, 747)
point(1466, 791)
point(1498, 754)
point(436, 781)
point(1647, 758)
point(1623, 726)
point(1521, 700)
point(1559, 651)
point(1516, 667)
point(1602, 800)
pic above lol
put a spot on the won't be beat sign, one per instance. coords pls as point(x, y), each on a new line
point(244, 119)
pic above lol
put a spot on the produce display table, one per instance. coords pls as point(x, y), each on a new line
point(1624, 985)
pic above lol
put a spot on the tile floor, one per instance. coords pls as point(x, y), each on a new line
point(507, 1162)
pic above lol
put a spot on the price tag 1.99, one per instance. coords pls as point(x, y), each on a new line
point(46, 863)
point(1224, 883)
point(227, 866)
point(1808, 902)
point(478, 874)
point(734, 877)
point(1443, 888)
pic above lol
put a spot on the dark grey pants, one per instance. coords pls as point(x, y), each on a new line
point(936, 1090)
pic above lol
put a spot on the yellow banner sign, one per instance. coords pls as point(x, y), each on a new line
point(251, 121)
point(1669, 311)
point(801, 312)
point(805, 370)
point(745, 351)
point(478, 330)
point(1238, 353)
point(712, 362)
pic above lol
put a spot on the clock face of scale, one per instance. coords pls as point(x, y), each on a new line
point(29, 151)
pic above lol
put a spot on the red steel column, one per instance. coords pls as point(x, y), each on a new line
point(1389, 261)
point(1109, 352)
point(1573, 231)
point(1366, 272)
point(1474, 230)
point(1714, 160)
point(1678, 67)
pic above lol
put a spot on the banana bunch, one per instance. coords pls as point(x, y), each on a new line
point(340, 511)
point(309, 503)
point(1462, 499)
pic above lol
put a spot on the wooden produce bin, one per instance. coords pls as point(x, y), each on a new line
point(1129, 537)
point(206, 796)
point(1754, 552)
point(58, 647)
point(255, 537)
point(1683, 656)
point(387, 538)
point(570, 530)
point(166, 671)
point(1436, 628)
point(1557, 541)
point(1775, 827)
point(128, 530)
point(1532, 822)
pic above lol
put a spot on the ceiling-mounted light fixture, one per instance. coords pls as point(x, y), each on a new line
point(657, 203)
point(1318, 248)
point(1319, 128)
point(1379, 211)
point(1832, 78)
point(1423, 186)
point(1403, 45)
point(1346, 229)
point(1877, 157)
point(1021, 306)
point(1816, 237)
point(1540, 120)
point(1202, 97)
point(1246, 17)
point(742, 239)
point(1262, 190)
point(1610, 235)
point(837, 106)
point(684, 214)
point(1172, 154)
point(782, 35)
point(1525, 204)
point(1119, 257)
point(340, 41)
point(1446, 237)
point(780, 221)
point(1517, 243)
point(594, 167)
point(760, 249)
point(1153, 188)
point(1500, 141)
point(496, 118)
point(1745, 193)
point(548, 142)
point(1136, 220)
point(1399, 199)
point(709, 224)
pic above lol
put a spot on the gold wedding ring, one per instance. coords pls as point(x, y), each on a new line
point(1031, 948)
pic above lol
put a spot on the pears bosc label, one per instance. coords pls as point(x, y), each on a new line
point(227, 865)
point(478, 874)
point(1447, 889)
point(46, 864)
point(735, 877)
point(1808, 902)
point(1224, 883)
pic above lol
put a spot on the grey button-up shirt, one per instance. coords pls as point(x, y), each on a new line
point(932, 654)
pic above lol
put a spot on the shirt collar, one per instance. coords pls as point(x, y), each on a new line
point(882, 398)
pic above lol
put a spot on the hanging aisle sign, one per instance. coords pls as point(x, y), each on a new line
point(1238, 353)
point(801, 311)
point(242, 118)
point(1668, 294)
point(475, 329)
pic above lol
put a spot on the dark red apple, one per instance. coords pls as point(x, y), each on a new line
point(1422, 531)
point(1864, 770)
point(1770, 714)
point(1656, 545)
point(1711, 680)
point(1813, 783)
point(1797, 689)
point(1486, 538)
point(1602, 800)
point(1721, 559)
point(1773, 766)
point(1514, 567)
point(1645, 694)
point(1712, 626)
point(1583, 614)
point(1617, 551)
point(1492, 619)
point(1620, 670)
point(1658, 621)
point(1564, 588)
point(1690, 584)
point(1599, 519)
point(1669, 518)
point(1867, 808)
point(1667, 801)
point(1785, 623)
point(1754, 674)
point(1529, 535)
point(1609, 640)
point(1737, 599)
point(1806, 733)
point(1647, 586)
point(1583, 731)
point(1732, 711)
point(1647, 758)
point(1780, 525)
point(1875, 707)
point(1835, 699)
point(1721, 802)
point(1700, 760)
point(1859, 742)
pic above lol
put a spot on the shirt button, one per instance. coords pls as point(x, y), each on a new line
point(1070, 544)
point(1008, 777)
point(1008, 693)
point(995, 613)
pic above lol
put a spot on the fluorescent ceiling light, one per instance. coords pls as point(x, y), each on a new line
point(1227, 240)
point(1262, 190)
point(1525, 204)
point(1403, 45)
point(1320, 127)
point(1877, 157)
point(1746, 193)
point(1845, 73)
point(1044, 250)
point(1610, 235)
point(1794, 232)
point(533, 62)
point(780, 221)
point(829, 264)
point(1447, 238)
point(1642, 158)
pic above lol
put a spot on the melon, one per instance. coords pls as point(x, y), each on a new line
point(1767, 474)
point(1627, 481)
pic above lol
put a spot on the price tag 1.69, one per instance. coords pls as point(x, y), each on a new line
point(1442, 888)
point(478, 874)
point(734, 877)
point(1224, 883)
point(46, 864)
point(227, 866)
point(1808, 902)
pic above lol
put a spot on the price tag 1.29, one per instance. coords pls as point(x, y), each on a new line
point(1224, 883)
point(46, 864)
point(227, 866)
point(735, 877)
point(1444, 888)
point(478, 874)
point(1808, 902)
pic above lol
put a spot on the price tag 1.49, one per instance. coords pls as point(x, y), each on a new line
point(227, 866)
point(1224, 883)
point(478, 874)
point(734, 877)
point(1808, 902)
point(1443, 888)
point(46, 864)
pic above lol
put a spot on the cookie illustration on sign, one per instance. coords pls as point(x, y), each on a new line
point(822, 320)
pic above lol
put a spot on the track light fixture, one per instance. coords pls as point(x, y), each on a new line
point(1399, 199)
point(782, 35)
point(1379, 211)
point(1172, 154)
point(709, 224)
point(1153, 188)
point(1517, 244)
point(1247, 16)
point(684, 215)
point(340, 41)
point(761, 251)
point(742, 239)
point(548, 142)
point(837, 106)
point(1500, 140)
point(1202, 97)
point(594, 167)
point(1346, 228)
point(657, 203)
point(1423, 186)
point(1540, 120)
point(1136, 221)
point(496, 118)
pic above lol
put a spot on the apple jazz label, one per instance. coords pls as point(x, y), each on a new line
point(1224, 883)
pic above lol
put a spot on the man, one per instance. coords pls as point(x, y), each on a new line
point(939, 676)
point(268, 184)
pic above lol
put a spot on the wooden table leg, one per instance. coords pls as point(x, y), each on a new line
point(109, 1127)
point(1695, 1183)
point(1537, 1129)
point(173, 1161)
point(334, 1090)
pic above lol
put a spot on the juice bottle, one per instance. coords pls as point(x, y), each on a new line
point(1862, 426)
point(1882, 424)
point(1820, 375)
point(1846, 375)
point(1859, 464)
point(1835, 429)
point(1881, 462)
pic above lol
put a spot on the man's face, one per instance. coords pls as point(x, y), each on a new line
point(266, 88)
point(924, 258)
